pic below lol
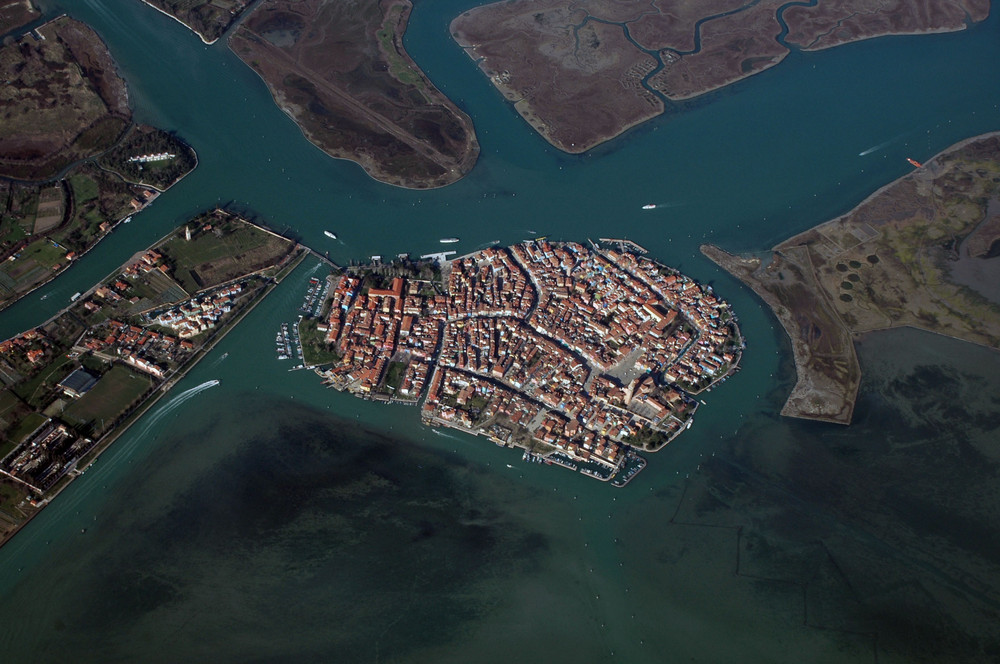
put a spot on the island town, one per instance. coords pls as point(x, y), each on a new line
point(579, 355)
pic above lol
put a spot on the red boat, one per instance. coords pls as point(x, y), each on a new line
point(914, 162)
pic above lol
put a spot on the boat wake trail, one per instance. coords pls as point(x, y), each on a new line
point(219, 360)
point(658, 206)
point(172, 405)
point(445, 435)
point(115, 453)
point(876, 148)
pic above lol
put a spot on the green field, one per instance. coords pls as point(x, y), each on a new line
point(9, 403)
point(24, 427)
point(10, 496)
point(315, 350)
point(116, 390)
point(43, 252)
point(232, 249)
point(12, 411)
point(393, 377)
point(207, 247)
point(84, 189)
point(33, 265)
point(32, 391)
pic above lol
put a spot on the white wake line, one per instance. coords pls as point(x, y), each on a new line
point(876, 148)
point(165, 410)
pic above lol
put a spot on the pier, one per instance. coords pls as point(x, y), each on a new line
point(624, 245)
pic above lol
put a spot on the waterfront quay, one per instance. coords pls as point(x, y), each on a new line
point(552, 347)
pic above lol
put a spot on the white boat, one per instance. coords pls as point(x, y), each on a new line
point(449, 240)
point(75, 297)
point(330, 235)
point(649, 206)
point(127, 219)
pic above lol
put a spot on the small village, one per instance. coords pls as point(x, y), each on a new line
point(577, 355)
point(76, 380)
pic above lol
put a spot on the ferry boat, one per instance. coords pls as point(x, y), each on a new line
point(332, 236)
point(649, 206)
point(449, 240)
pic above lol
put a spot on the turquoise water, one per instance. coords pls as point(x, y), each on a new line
point(268, 519)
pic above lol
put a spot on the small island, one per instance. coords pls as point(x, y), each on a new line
point(578, 355)
point(62, 100)
point(75, 383)
point(78, 167)
point(920, 252)
point(341, 72)
point(582, 73)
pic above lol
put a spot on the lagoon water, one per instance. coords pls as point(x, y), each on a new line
point(268, 519)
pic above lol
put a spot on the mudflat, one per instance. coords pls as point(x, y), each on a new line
point(16, 13)
point(340, 71)
point(916, 253)
point(582, 73)
point(63, 100)
point(834, 22)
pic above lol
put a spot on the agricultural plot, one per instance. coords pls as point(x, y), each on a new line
point(96, 199)
point(30, 266)
point(156, 289)
point(51, 208)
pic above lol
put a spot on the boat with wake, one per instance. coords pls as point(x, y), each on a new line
point(649, 206)
point(332, 236)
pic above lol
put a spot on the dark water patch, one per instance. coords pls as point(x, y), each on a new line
point(874, 542)
point(360, 546)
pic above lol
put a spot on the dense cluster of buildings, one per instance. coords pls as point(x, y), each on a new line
point(46, 454)
point(147, 158)
point(577, 348)
point(201, 313)
point(31, 346)
point(147, 350)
